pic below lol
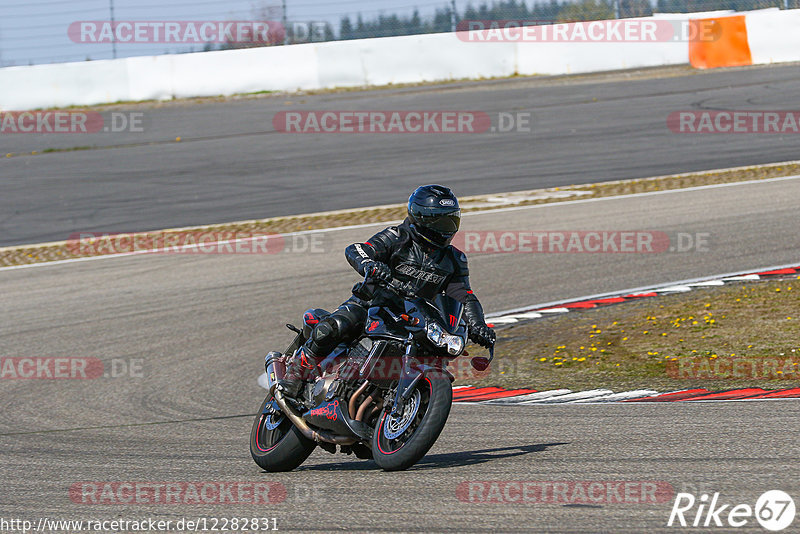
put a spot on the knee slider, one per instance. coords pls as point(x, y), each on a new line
point(325, 329)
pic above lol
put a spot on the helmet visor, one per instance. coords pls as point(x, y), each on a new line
point(443, 223)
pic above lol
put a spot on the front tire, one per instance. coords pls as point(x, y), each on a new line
point(275, 443)
point(399, 443)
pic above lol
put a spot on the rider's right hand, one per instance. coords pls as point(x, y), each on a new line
point(378, 271)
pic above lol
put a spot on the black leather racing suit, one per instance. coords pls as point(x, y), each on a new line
point(428, 270)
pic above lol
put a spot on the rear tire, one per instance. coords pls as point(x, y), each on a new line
point(281, 448)
point(435, 396)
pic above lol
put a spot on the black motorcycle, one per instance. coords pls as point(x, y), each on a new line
point(386, 396)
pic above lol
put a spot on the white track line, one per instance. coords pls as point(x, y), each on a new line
point(674, 289)
point(616, 397)
point(554, 306)
point(558, 399)
point(635, 195)
point(710, 283)
point(505, 320)
point(529, 397)
point(466, 214)
point(744, 277)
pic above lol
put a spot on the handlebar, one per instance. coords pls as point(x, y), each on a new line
point(405, 290)
point(402, 289)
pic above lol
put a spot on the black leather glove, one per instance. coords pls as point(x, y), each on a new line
point(482, 335)
point(378, 270)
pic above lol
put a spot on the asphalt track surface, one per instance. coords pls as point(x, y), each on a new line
point(232, 165)
point(201, 325)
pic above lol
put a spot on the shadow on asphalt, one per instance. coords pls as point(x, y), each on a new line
point(440, 461)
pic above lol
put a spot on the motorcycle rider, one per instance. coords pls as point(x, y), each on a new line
point(418, 253)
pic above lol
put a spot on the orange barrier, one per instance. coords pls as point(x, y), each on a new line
point(719, 42)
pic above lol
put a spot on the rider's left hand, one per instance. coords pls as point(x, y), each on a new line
point(482, 335)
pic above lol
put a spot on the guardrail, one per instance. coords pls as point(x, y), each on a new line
point(755, 37)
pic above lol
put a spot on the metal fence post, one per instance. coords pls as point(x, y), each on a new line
point(285, 24)
point(113, 30)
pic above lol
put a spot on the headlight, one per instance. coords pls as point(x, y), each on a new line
point(435, 334)
point(438, 337)
point(455, 345)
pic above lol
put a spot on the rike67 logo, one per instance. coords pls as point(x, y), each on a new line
point(774, 510)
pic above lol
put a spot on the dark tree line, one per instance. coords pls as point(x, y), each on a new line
point(544, 11)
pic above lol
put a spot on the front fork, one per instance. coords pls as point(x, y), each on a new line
point(413, 371)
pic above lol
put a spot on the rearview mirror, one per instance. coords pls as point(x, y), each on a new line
point(479, 363)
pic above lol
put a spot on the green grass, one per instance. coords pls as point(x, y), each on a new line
point(642, 344)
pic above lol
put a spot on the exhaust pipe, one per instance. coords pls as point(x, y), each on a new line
point(275, 367)
point(302, 426)
point(351, 408)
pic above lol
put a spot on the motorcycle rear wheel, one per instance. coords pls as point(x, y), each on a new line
point(398, 443)
point(275, 443)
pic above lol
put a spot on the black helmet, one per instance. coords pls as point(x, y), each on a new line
point(434, 214)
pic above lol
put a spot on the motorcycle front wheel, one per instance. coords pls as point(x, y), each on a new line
point(401, 441)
